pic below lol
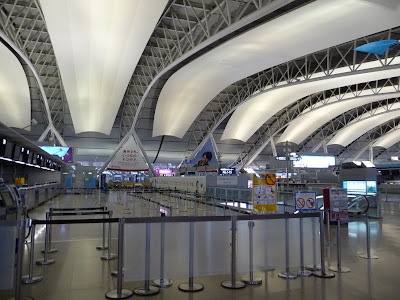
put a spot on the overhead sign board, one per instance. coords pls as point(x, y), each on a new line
point(264, 193)
point(292, 158)
point(305, 201)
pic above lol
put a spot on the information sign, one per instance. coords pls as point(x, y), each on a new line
point(305, 201)
point(338, 204)
point(264, 193)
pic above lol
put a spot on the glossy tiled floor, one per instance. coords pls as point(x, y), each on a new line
point(80, 274)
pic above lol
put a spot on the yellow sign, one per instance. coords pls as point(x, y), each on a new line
point(264, 193)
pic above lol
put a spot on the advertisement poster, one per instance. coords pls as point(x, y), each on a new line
point(264, 193)
point(128, 158)
point(206, 156)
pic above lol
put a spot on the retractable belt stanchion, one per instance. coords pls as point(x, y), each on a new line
point(302, 272)
point(162, 282)
point(103, 246)
point(109, 255)
point(338, 268)
point(21, 240)
point(368, 255)
point(233, 283)
point(287, 274)
point(250, 280)
point(120, 293)
point(147, 290)
point(45, 260)
point(328, 222)
point(191, 286)
point(30, 278)
point(49, 249)
point(314, 266)
point(323, 273)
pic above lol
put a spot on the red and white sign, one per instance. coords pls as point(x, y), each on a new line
point(128, 158)
point(305, 201)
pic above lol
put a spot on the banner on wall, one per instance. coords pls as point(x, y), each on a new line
point(128, 158)
point(206, 156)
point(264, 193)
point(190, 184)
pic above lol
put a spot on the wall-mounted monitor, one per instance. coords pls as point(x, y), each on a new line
point(360, 187)
point(316, 162)
point(64, 153)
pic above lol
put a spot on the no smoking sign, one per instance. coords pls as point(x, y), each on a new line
point(305, 201)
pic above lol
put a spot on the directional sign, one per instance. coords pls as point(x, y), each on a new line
point(305, 201)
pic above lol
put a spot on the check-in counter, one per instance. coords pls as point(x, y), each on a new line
point(33, 196)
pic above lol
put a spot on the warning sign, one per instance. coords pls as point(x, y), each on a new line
point(264, 193)
point(270, 179)
point(305, 201)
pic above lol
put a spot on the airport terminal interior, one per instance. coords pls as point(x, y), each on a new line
point(199, 149)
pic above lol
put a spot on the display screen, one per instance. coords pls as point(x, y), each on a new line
point(360, 187)
point(309, 161)
point(371, 187)
point(65, 153)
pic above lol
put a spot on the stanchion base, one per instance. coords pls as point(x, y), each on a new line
point(304, 273)
point(109, 257)
point(342, 269)
point(34, 279)
point(196, 287)
point(101, 247)
point(115, 273)
point(327, 274)
point(370, 257)
point(287, 275)
point(42, 262)
point(50, 250)
point(313, 268)
point(255, 281)
point(233, 285)
point(164, 284)
point(152, 290)
point(113, 294)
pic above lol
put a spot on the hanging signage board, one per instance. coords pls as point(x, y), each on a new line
point(305, 201)
point(339, 207)
point(128, 158)
point(264, 193)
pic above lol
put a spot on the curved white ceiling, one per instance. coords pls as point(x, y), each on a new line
point(252, 114)
point(365, 123)
point(98, 44)
point(388, 140)
point(15, 98)
point(304, 125)
point(290, 36)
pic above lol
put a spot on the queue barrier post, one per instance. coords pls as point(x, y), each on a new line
point(30, 278)
point(191, 286)
point(339, 268)
point(302, 272)
point(233, 283)
point(109, 255)
point(323, 273)
point(250, 280)
point(120, 293)
point(147, 290)
point(287, 274)
point(368, 255)
point(162, 282)
point(103, 246)
point(46, 260)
